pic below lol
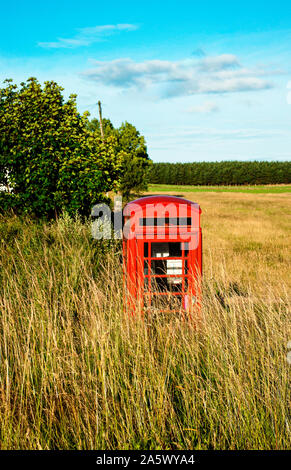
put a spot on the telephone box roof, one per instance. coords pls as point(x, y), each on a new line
point(143, 201)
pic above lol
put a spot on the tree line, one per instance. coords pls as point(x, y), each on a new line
point(221, 173)
point(52, 158)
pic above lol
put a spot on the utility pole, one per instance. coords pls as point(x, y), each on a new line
point(100, 120)
point(101, 126)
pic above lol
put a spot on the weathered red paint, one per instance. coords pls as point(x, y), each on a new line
point(162, 254)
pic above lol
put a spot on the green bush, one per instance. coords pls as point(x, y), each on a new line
point(49, 159)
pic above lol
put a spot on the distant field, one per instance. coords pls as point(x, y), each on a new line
point(221, 189)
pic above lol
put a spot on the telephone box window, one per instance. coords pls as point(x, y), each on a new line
point(158, 266)
point(146, 267)
point(167, 266)
point(166, 269)
point(146, 284)
point(164, 250)
point(164, 302)
point(161, 221)
point(186, 249)
point(166, 284)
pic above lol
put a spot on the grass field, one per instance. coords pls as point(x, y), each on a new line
point(76, 373)
point(256, 189)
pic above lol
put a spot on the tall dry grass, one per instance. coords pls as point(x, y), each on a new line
point(76, 373)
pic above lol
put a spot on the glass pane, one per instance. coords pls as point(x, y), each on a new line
point(146, 267)
point(159, 266)
point(161, 221)
point(166, 284)
point(167, 266)
point(146, 250)
point(186, 248)
point(165, 249)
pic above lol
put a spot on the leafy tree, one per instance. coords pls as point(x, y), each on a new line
point(108, 128)
point(135, 160)
point(49, 156)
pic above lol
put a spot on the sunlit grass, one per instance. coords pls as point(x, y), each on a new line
point(78, 373)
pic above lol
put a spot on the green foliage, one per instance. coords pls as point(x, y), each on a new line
point(49, 156)
point(108, 128)
point(221, 173)
point(135, 160)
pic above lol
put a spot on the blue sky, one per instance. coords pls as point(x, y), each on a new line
point(201, 81)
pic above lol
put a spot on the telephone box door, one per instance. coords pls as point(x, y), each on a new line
point(166, 277)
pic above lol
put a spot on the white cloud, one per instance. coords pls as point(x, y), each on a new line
point(218, 63)
point(87, 36)
point(204, 108)
point(217, 74)
point(185, 139)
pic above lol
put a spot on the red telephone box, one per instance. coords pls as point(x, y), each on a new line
point(162, 255)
